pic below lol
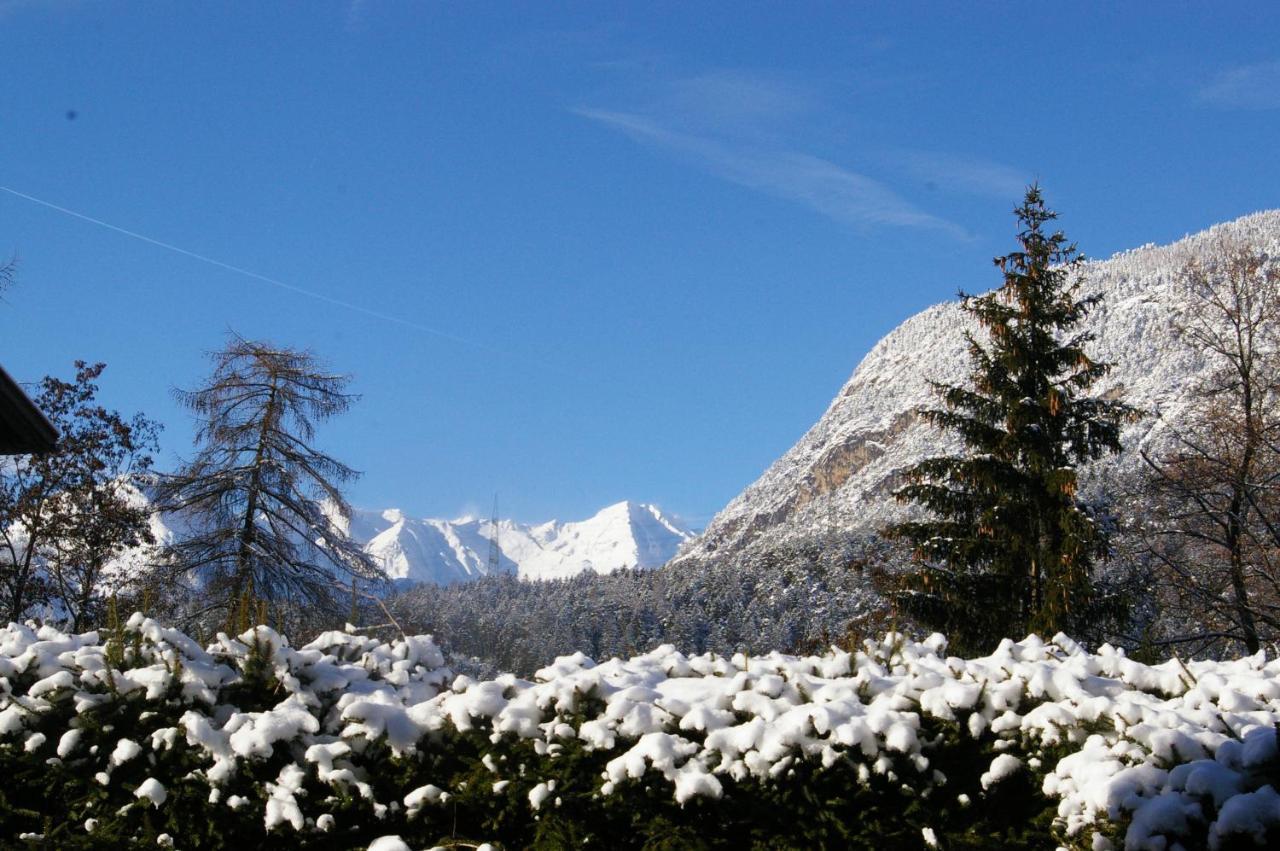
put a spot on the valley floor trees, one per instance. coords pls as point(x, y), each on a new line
point(256, 499)
point(1009, 546)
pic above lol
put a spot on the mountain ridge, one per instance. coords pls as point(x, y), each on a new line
point(623, 535)
point(839, 476)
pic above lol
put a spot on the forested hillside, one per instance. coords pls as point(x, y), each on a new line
point(800, 595)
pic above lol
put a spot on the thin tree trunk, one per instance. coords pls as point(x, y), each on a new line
point(90, 580)
point(1243, 609)
point(22, 577)
point(244, 575)
point(1236, 521)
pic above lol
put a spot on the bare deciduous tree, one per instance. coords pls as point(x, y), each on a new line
point(1214, 535)
point(257, 500)
point(65, 516)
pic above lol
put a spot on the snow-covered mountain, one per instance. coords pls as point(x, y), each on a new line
point(627, 534)
point(840, 475)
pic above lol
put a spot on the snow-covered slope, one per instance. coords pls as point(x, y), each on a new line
point(627, 534)
point(840, 474)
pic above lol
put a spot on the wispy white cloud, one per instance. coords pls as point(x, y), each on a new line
point(729, 99)
point(957, 173)
point(1255, 86)
point(819, 184)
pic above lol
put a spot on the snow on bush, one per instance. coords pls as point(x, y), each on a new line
point(1135, 756)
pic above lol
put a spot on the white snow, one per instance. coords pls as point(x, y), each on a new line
point(388, 843)
point(626, 534)
point(126, 749)
point(1002, 766)
point(539, 794)
point(152, 790)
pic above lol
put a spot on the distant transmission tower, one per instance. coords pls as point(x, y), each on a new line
point(495, 553)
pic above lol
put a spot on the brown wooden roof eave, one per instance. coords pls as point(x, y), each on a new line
point(23, 429)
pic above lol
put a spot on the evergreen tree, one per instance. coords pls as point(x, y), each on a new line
point(258, 502)
point(1009, 546)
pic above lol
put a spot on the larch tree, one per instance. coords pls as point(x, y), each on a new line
point(1215, 538)
point(7, 274)
point(258, 504)
point(1008, 545)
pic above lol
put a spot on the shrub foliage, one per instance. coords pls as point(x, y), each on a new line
point(148, 740)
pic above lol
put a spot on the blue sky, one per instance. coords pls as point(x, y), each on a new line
point(578, 253)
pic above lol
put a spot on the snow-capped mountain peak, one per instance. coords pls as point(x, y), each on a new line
point(623, 535)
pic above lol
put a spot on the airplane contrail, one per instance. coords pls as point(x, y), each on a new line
point(249, 273)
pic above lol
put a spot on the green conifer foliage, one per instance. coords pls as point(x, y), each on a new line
point(1009, 546)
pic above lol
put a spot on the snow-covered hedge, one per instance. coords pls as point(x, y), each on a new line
point(148, 739)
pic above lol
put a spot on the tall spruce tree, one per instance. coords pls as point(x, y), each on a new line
point(257, 501)
point(1009, 546)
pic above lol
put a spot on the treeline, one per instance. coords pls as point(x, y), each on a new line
point(796, 598)
point(803, 596)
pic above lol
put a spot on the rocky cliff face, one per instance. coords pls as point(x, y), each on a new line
point(841, 474)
